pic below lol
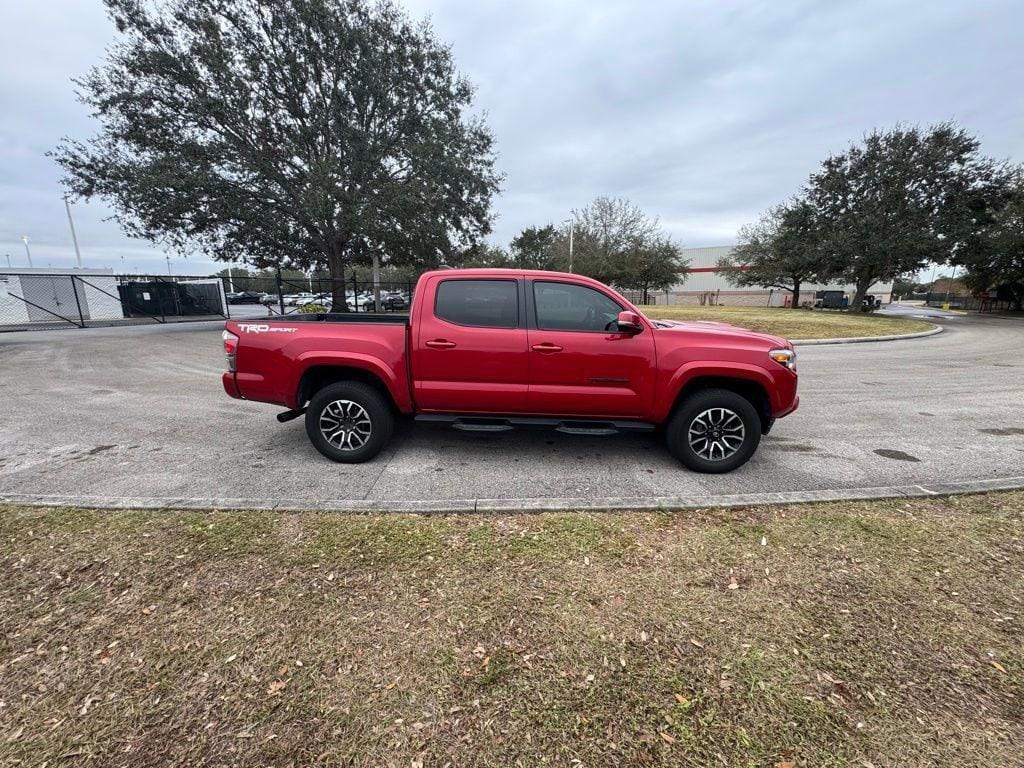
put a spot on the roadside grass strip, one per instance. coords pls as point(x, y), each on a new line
point(832, 634)
point(795, 323)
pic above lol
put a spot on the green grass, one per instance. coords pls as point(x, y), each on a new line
point(861, 633)
point(794, 323)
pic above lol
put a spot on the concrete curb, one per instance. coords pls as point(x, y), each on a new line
point(524, 505)
point(865, 339)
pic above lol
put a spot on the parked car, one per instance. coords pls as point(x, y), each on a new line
point(295, 299)
point(487, 350)
point(245, 297)
point(394, 300)
point(311, 298)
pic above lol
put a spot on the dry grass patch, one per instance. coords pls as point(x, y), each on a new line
point(795, 323)
point(883, 633)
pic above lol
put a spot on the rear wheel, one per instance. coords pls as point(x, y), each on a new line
point(349, 422)
point(714, 431)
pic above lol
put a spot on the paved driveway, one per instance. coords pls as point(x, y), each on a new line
point(137, 416)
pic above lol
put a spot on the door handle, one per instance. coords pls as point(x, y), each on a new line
point(440, 344)
point(546, 348)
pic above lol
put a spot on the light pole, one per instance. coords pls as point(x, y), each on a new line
point(74, 237)
point(949, 283)
point(168, 257)
point(24, 239)
point(572, 225)
point(8, 260)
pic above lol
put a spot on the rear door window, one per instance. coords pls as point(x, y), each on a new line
point(478, 303)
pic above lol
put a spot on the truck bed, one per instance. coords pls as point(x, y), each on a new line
point(274, 354)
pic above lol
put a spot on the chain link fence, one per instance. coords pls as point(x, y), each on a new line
point(263, 296)
point(53, 300)
point(966, 301)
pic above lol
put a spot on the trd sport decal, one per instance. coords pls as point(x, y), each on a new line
point(263, 328)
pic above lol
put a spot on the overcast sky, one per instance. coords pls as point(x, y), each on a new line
point(703, 113)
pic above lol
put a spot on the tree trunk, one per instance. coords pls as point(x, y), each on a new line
point(796, 294)
point(376, 281)
point(336, 265)
point(860, 291)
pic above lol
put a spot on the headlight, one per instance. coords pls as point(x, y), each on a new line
point(786, 357)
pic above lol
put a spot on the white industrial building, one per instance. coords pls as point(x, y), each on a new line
point(706, 284)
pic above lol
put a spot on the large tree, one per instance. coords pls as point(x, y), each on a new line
point(307, 132)
point(654, 265)
point(534, 248)
point(994, 257)
point(897, 201)
point(782, 250)
point(482, 255)
point(616, 242)
point(602, 233)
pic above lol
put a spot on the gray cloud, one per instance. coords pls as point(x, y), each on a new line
point(704, 113)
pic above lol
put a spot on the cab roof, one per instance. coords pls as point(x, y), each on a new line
point(506, 272)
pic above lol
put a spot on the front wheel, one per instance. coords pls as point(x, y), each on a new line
point(714, 431)
point(349, 422)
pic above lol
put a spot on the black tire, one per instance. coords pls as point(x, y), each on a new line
point(361, 396)
point(677, 432)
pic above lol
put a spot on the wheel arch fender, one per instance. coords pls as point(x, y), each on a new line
point(317, 370)
point(752, 382)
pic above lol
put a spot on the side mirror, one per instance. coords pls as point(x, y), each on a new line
point(629, 322)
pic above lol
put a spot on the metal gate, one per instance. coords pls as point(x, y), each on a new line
point(49, 295)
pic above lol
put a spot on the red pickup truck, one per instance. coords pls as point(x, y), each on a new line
point(494, 349)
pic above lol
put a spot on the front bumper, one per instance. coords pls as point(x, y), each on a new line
point(788, 410)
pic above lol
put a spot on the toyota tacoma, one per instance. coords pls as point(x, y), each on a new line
point(488, 350)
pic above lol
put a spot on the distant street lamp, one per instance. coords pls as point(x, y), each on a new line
point(24, 239)
point(572, 226)
point(8, 260)
point(74, 237)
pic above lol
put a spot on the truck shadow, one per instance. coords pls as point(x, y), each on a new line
point(530, 445)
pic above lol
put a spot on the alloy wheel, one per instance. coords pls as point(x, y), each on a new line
point(716, 434)
point(345, 425)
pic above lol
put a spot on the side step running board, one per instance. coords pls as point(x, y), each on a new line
point(589, 427)
point(465, 425)
point(576, 428)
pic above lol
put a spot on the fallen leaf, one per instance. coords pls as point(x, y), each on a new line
point(681, 699)
point(998, 666)
point(276, 686)
point(696, 643)
point(668, 738)
point(733, 584)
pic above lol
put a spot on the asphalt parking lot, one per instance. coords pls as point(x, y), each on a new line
point(137, 416)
